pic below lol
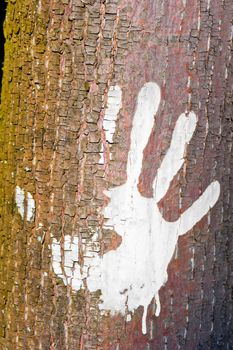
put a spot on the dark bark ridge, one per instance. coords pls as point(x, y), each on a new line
point(2, 38)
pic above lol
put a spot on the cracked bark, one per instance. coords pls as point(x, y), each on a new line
point(61, 57)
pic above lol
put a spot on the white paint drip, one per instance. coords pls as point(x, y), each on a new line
point(138, 267)
point(20, 201)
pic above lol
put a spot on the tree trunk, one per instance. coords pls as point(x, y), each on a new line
point(133, 97)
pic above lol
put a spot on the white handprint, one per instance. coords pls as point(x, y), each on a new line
point(132, 274)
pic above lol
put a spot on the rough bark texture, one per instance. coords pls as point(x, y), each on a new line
point(2, 39)
point(61, 57)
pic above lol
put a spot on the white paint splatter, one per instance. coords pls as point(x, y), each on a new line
point(19, 198)
point(138, 267)
point(128, 318)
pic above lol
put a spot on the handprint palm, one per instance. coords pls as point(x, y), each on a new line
point(132, 274)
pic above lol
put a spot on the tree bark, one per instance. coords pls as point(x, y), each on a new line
point(62, 60)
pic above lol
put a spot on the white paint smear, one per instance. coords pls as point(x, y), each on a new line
point(19, 198)
point(66, 265)
point(132, 275)
point(101, 160)
point(30, 207)
point(109, 123)
point(112, 110)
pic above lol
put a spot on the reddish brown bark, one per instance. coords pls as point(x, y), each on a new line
point(60, 59)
